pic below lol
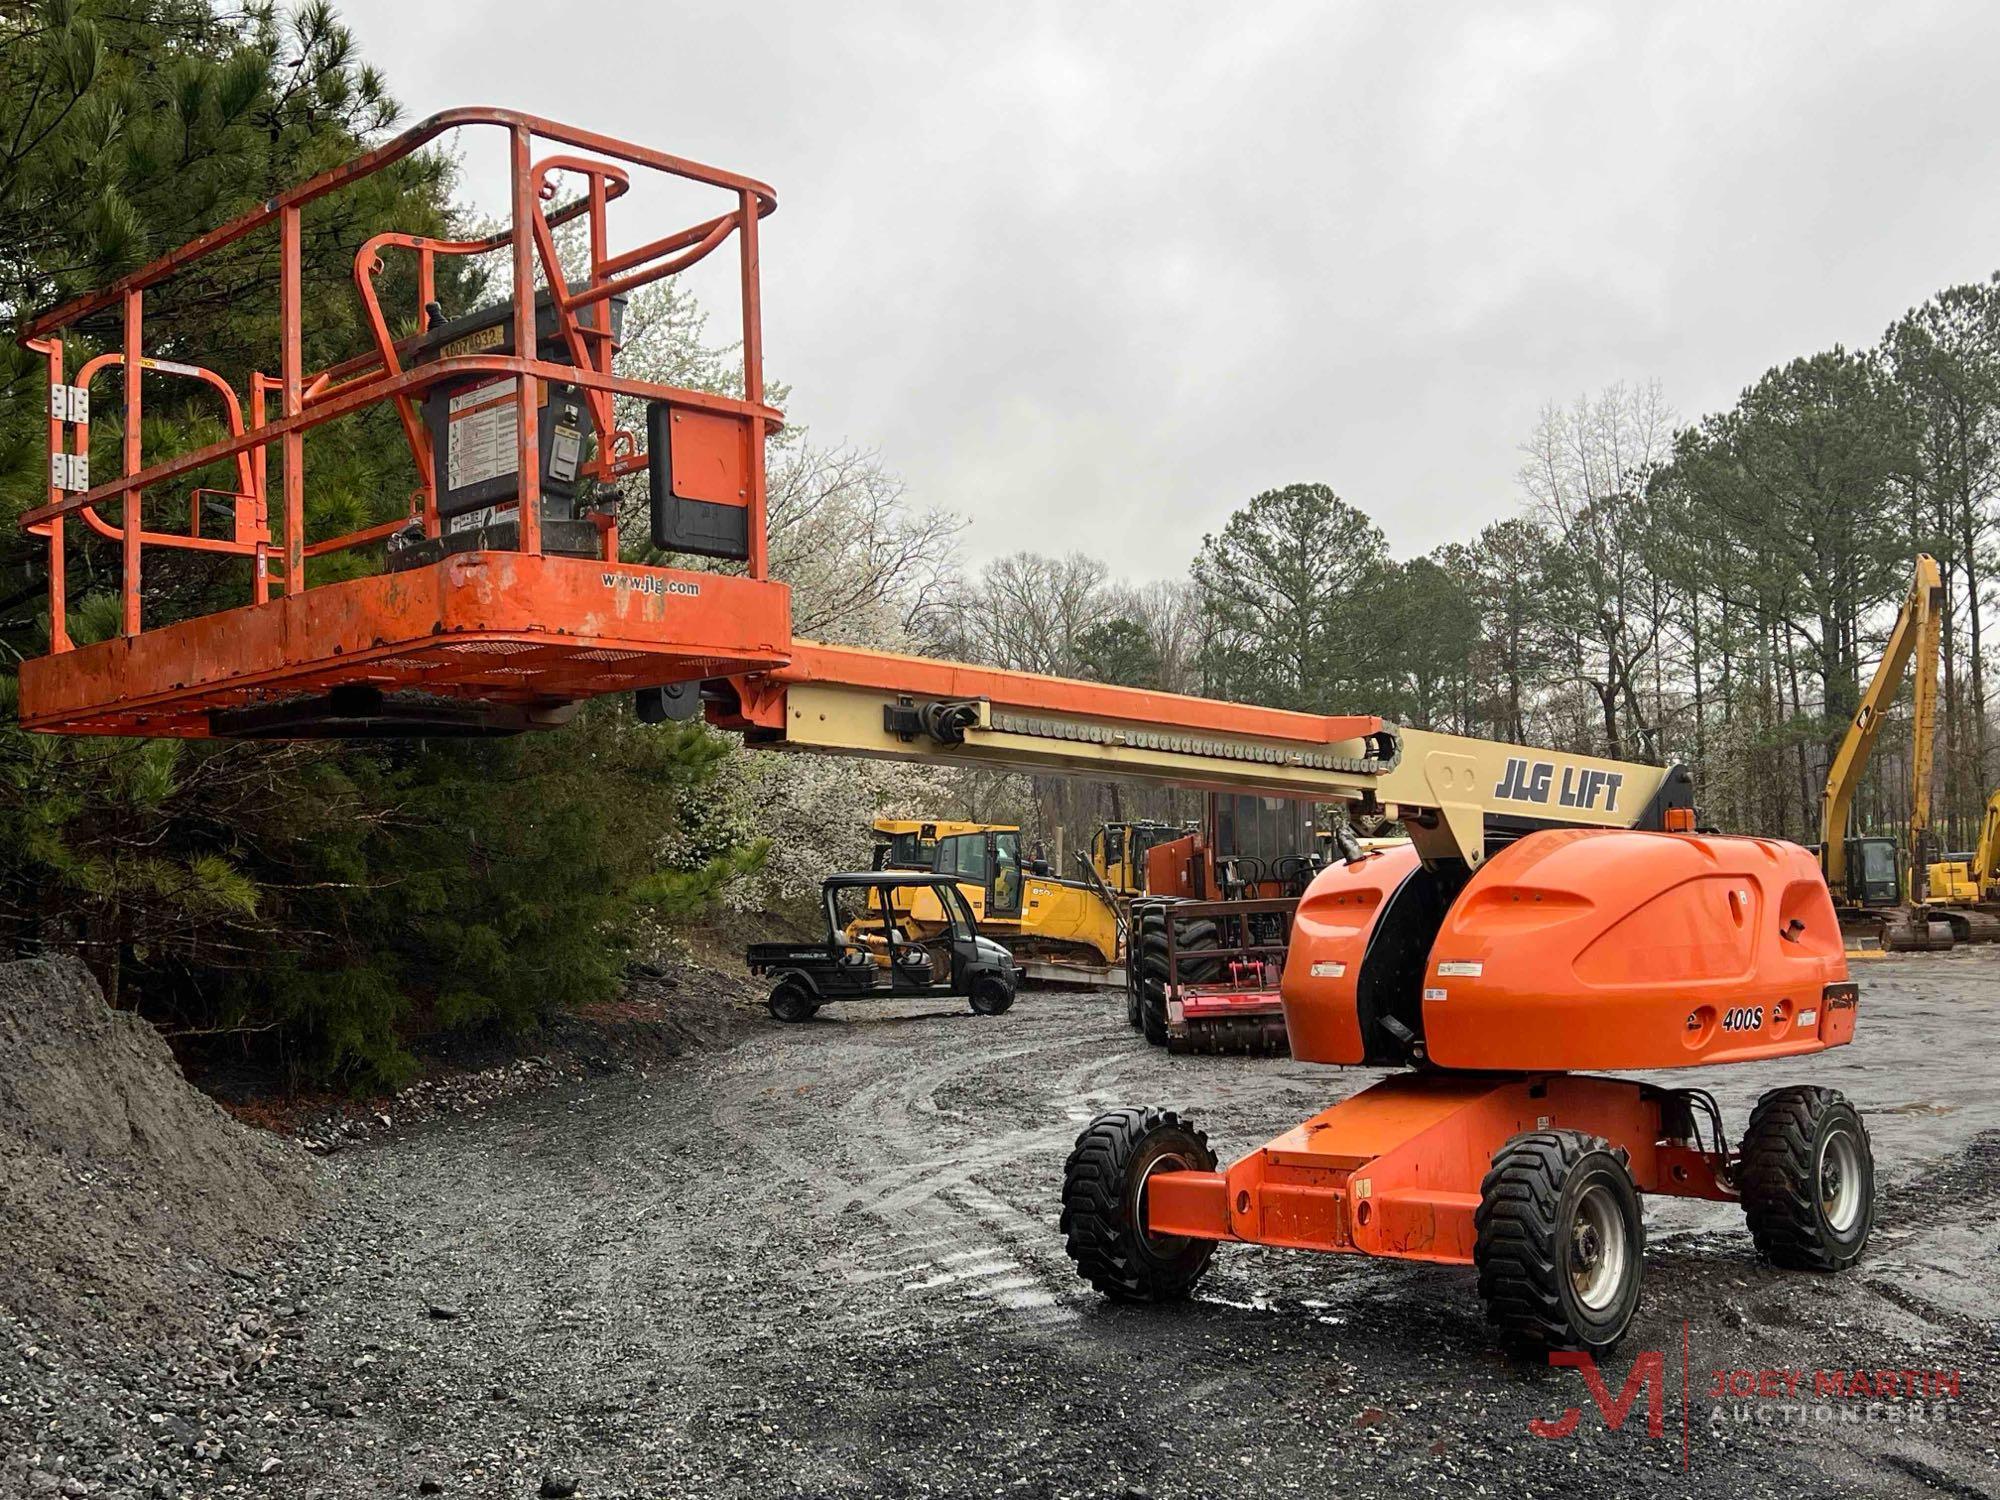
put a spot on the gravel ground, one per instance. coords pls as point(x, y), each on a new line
point(822, 1260)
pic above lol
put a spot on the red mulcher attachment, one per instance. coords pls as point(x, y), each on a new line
point(1203, 975)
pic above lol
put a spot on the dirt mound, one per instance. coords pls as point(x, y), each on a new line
point(119, 1182)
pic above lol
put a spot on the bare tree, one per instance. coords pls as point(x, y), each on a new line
point(1585, 477)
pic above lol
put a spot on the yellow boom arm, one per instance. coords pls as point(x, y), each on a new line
point(1915, 634)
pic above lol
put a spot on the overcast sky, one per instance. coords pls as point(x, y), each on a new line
point(1093, 275)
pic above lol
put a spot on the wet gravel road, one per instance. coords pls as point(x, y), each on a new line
point(824, 1261)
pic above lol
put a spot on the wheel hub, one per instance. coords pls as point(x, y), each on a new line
point(1586, 1248)
point(1599, 1251)
point(1840, 1182)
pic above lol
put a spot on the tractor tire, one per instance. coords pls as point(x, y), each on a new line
point(1104, 1205)
point(1134, 993)
point(1152, 978)
point(1808, 1179)
point(991, 997)
point(1561, 1243)
point(792, 1002)
point(1191, 938)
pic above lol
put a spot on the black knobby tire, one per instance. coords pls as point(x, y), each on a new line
point(1191, 938)
point(791, 1001)
point(1103, 1200)
point(1134, 994)
point(1807, 1176)
point(991, 996)
point(1216, 1038)
point(1152, 963)
point(1561, 1243)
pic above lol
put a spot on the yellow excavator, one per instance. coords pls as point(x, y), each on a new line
point(1017, 902)
point(1877, 903)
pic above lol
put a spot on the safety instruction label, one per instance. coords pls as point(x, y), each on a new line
point(1326, 969)
point(482, 435)
point(1460, 970)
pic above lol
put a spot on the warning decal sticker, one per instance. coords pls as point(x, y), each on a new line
point(482, 435)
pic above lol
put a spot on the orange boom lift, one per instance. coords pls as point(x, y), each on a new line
point(1554, 914)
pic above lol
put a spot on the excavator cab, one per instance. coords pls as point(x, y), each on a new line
point(1873, 877)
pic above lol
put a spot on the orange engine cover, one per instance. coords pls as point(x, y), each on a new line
point(1575, 949)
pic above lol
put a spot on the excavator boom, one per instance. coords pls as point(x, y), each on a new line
point(1914, 636)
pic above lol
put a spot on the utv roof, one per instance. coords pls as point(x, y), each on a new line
point(891, 877)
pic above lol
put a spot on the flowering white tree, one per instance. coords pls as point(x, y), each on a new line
point(862, 562)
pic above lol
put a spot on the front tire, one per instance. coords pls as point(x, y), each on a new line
point(1150, 957)
point(1808, 1179)
point(1104, 1205)
point(1561, 1244)
point(991, 996)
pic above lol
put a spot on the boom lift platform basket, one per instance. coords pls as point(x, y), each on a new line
point(537, 611)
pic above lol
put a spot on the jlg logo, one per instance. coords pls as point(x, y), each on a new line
point(1744, 1018)
point(1535, 781)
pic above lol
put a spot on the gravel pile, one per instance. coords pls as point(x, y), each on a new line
point(146, 1238)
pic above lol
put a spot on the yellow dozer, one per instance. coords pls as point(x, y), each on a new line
point(1018, 903)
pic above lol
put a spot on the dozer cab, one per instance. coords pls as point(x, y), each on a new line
point(911, 843)
point(1118, 852)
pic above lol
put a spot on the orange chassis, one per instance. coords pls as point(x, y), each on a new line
point(1575, 950)
point(1395, 1169)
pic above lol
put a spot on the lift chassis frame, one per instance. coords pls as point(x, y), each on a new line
point(1395, 1170)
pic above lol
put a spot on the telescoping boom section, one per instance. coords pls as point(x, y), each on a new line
point(1449, 790)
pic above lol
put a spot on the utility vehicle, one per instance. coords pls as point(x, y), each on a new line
point(866, 953)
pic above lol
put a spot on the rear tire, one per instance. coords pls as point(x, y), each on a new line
point(792, 1002)
point(1808, 1179)
point(1561, 1243)
point(1104, 1205)
point(991, 996)
point(1191, 939)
